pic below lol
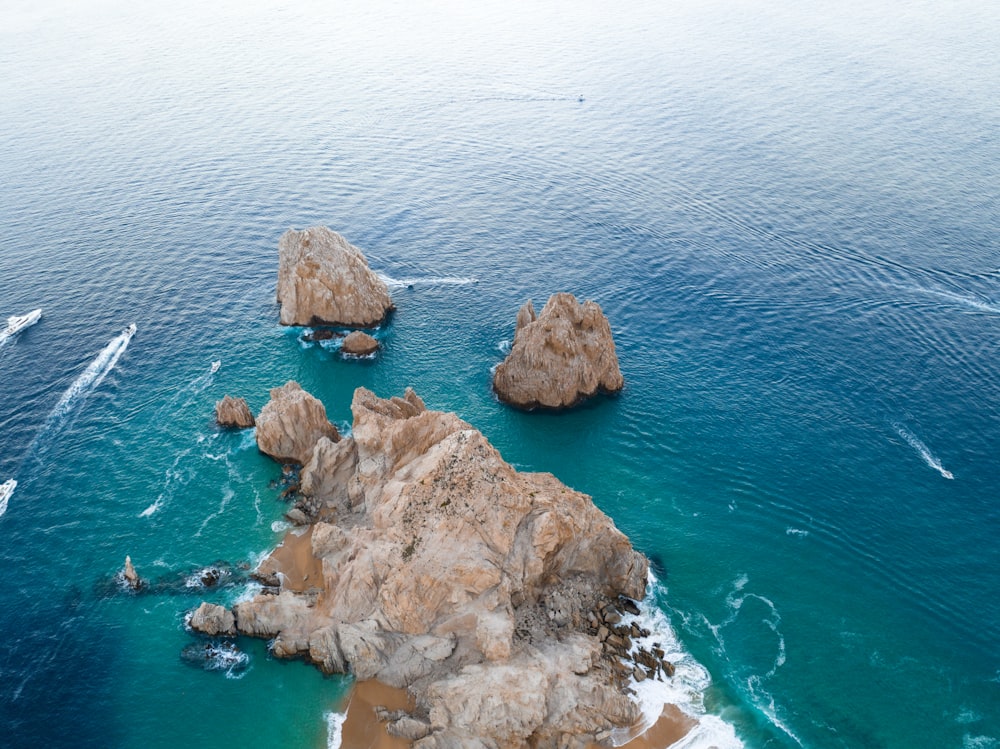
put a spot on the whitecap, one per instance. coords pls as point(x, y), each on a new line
point(790, 531)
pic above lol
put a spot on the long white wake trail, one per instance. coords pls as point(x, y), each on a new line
point(923, 451)
point(87, 382)
point(396, 283)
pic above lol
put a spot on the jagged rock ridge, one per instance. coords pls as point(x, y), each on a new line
point(325, 280)
point(445, 571)
point(559, 357)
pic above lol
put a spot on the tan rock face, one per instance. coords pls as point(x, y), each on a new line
point(325, 280)
point(559, 357)
point(358, 343)
point(211, 619)
point(291, 424)
point(441, 567)
point(233, 412)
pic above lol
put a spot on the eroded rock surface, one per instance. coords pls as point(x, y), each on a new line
point(563, 355)
point(233, 412)
point(358, 343)
point(291, 424)
point(213, 620)
point(325, 280)
point(447, 572)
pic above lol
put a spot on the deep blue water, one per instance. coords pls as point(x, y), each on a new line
point(789, 213)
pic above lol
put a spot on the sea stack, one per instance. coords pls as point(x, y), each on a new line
point(441, 569)
point(325, 280)
point(291, 423)
point(233, 413)
point(130, 576)
point(560, 357)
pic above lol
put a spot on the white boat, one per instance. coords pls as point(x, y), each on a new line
point(130, 330)
point(6, 489)
point(215, 365)
point(20, 322)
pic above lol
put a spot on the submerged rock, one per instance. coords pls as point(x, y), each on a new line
point(216, 656)
point(446, 571)
point(291, 423)
point(359, 344)
point(564, 355)
point(325, 280)
point(233, 412)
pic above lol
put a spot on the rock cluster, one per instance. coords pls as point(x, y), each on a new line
point(445, 571)
point(290, 424)
point(559, 357)
point(233, 412)
point(617, 643)
point(358, 343)
point(325, 280)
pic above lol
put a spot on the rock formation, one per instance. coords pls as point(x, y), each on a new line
point(445, 571)
point(325, 280)
point(359, 344)
point(564, 355)
point(290, 424)
point(130, 576)
point(233, 412)
point(213, 620)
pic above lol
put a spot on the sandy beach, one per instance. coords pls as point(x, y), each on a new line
point(362, 730)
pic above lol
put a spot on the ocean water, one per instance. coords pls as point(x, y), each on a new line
point(789, 212)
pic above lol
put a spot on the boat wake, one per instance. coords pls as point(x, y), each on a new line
point(86, 383)
point(923, 451)
point(971, 302)
point(398, 283)
point(6, 489)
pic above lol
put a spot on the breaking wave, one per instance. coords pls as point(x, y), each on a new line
point(687, 687)
point(334, 729)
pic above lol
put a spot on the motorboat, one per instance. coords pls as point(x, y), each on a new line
point(215, 365)
point(130, 330)
point(6, 489)
point(16, 323)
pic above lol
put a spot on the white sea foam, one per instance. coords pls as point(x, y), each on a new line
point(796, 531)
point(923, 451)
point(504, 346)
point(971, 302)
point(685, 689)
point(427, 281)
point(334, 729)
point(86, 383)
point(979, 742)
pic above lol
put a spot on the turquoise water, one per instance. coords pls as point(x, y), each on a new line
point(789, 215)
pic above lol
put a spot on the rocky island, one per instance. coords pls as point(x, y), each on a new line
point(325, 280)
point(494, 597)
point(560, 357)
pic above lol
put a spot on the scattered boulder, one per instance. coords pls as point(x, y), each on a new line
point(451, 574)
point(325, 280)
point(559, 357)
point(233, 412)
point(210, 619)
point(291, 423)
point(358, 343)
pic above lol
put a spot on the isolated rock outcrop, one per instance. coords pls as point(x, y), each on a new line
point(448, 572)
point(233, 412)
point(564, 355)
point(325, 280)
point(213, 620)
point(130, 576)
point(358, 343)
point(291, 423)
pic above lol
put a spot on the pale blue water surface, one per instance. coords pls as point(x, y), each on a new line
point(789, 212)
